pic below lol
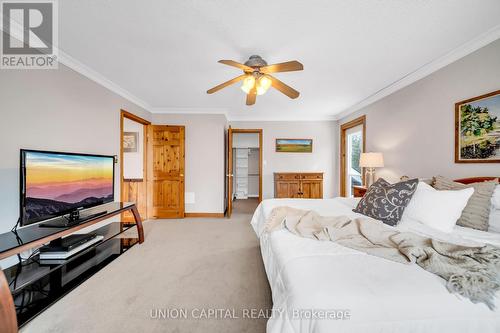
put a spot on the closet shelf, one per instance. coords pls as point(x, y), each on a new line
point(245, 174)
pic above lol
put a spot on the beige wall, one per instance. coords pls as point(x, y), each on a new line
point(204, 159)
point(53, 110)
point(133, 162)
point(324, 135)
point(414, 127)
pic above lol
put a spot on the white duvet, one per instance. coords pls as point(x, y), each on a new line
point(311, 280)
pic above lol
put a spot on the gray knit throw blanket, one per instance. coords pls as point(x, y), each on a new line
point(472, 272)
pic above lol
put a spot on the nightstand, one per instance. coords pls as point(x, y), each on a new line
point(359, 191)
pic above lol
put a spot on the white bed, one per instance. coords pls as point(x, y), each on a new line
point(380, 295)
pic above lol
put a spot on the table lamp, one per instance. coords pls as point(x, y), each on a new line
point(370, 161)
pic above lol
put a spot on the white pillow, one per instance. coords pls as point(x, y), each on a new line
point(437, 209)
point(495, 199)
point(494, 221)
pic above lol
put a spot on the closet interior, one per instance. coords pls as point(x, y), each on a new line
point(246, 166)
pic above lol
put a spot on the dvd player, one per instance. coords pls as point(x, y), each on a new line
point(62, 255)
point(67, 243)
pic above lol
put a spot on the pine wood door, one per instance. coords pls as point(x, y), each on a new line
point(167, 169)
point(134, 191)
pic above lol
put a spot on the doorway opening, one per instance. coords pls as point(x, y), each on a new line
point(133, 162)
point(352, 144)
point(244, 177)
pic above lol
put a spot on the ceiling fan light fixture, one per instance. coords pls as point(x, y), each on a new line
point(248, 83)
point(257, 78)
point(263, 84)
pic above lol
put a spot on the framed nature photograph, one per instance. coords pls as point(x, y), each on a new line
point(130, 142)
point(294, 145)
point(477, 129)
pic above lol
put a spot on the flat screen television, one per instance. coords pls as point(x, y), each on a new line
point(54, 184)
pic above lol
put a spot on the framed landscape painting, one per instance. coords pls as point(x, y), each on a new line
point(477, 129)
point(294, 145)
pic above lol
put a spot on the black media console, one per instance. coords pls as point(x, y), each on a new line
point(35, 284)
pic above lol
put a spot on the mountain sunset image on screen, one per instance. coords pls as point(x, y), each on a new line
point(57, 182)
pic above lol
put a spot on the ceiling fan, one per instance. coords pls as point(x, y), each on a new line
point(257, 79)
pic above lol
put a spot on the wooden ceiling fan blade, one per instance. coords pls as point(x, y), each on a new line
point(289, 66)
point(225, 84)
point(285, 89)
point(237, 65)
point(251, 96)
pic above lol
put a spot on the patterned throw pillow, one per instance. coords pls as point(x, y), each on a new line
point(386, 202)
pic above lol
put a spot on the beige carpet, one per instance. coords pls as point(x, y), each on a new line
point(190, 264)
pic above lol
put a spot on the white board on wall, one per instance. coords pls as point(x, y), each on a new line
point(133, 161)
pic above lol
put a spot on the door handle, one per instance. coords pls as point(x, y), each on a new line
point(182, 175)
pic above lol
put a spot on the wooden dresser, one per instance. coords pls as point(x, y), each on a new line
point(307, 185)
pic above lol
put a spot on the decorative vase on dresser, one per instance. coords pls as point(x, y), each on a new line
point(307, 185)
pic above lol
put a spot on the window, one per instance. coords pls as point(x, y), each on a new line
point(354, 148)
point(352, 137)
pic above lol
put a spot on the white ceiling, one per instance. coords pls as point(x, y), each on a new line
point(165, 52)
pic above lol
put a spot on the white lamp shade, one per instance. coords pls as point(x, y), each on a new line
point(371, 160)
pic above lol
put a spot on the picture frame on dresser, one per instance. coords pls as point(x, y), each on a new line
point(477, 129)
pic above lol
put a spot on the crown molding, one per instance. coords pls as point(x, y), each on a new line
point(425, 70)
point(281, 119)
point(184, 110)
point(95, 76)
point(16, 31)
point(225, 112)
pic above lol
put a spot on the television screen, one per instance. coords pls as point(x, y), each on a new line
point(54, 184)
